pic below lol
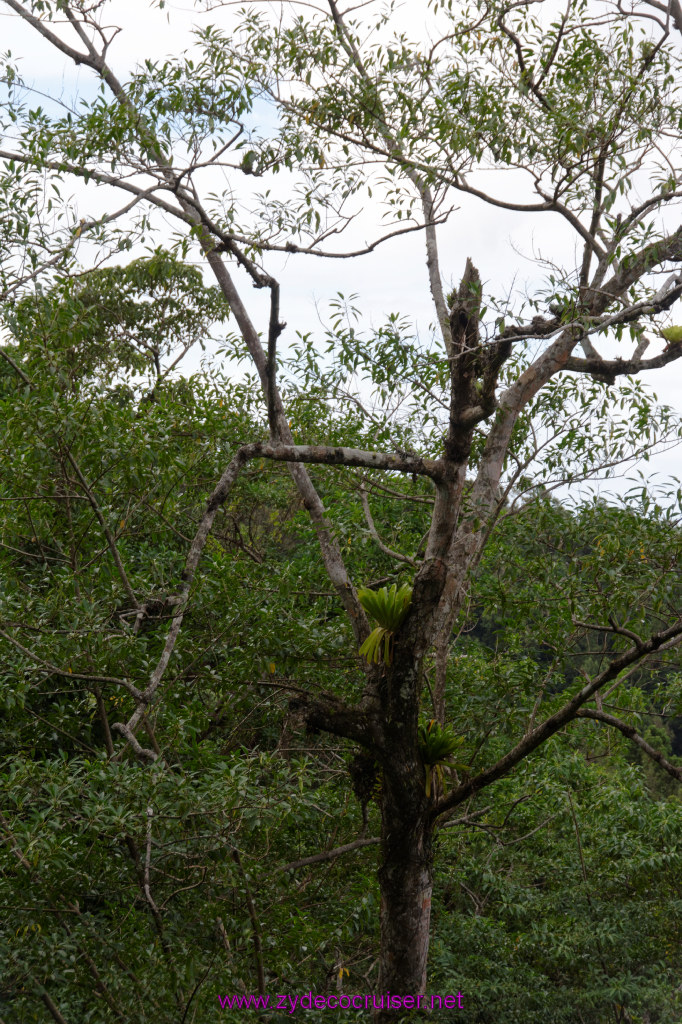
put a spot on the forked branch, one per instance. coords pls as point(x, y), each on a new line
point(312, 454)
point(637, 653)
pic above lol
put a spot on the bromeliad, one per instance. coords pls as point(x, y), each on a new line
point(388, 607)
point(436, 747)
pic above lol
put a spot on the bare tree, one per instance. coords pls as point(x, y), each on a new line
point(587, 110)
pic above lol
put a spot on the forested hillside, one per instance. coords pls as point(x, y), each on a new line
point(322, 668)
point(130, 884)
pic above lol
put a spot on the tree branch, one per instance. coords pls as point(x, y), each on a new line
point(255, 925)
point(632, 734)
point(51, 37)
point(316, 858)
point(110, 539)
point(326, 713)
point(52, 1009)
point(274, 331)
point(193, 214)
point(315, 454)
point(16, 849)
point(558, 720)
point(373, 530)
point(67, 674)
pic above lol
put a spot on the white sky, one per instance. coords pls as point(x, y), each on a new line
point(392, 279)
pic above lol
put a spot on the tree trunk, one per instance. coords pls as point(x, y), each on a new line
point(405, 880)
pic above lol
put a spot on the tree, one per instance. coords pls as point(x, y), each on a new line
point(504, 396)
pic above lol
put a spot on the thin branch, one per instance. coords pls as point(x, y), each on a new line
point(148, 863)
point(16, 849)
point(317, 858)
point(144, 753)
point(433, 268)
point(632, 734)
point(156, 914)
point(609, 369)
point(110, 539)
point(52, 1009)
point(255, 925)
point(583, 869)
point(102, 987)
point(373, 530)
point(274, 331)
point(613, 627)
point(195, 216)
point(51, 37)
point(68, 674)
point(395, 494)
point(466, 819)
point(527, 835)
point(17, 369)
point(104, 719)
point(58, 728)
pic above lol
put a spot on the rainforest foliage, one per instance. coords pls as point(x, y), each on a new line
point(131, 886)
point(322, 668)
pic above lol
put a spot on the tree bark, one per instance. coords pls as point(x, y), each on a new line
point(406, 881)
point(405, 875)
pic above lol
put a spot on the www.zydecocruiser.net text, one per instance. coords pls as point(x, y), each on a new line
point(308, 1001)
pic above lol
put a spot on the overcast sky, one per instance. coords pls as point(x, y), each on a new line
point(504, 245)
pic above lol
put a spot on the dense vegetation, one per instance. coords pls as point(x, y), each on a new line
point(320, 671)
point(130, 891)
